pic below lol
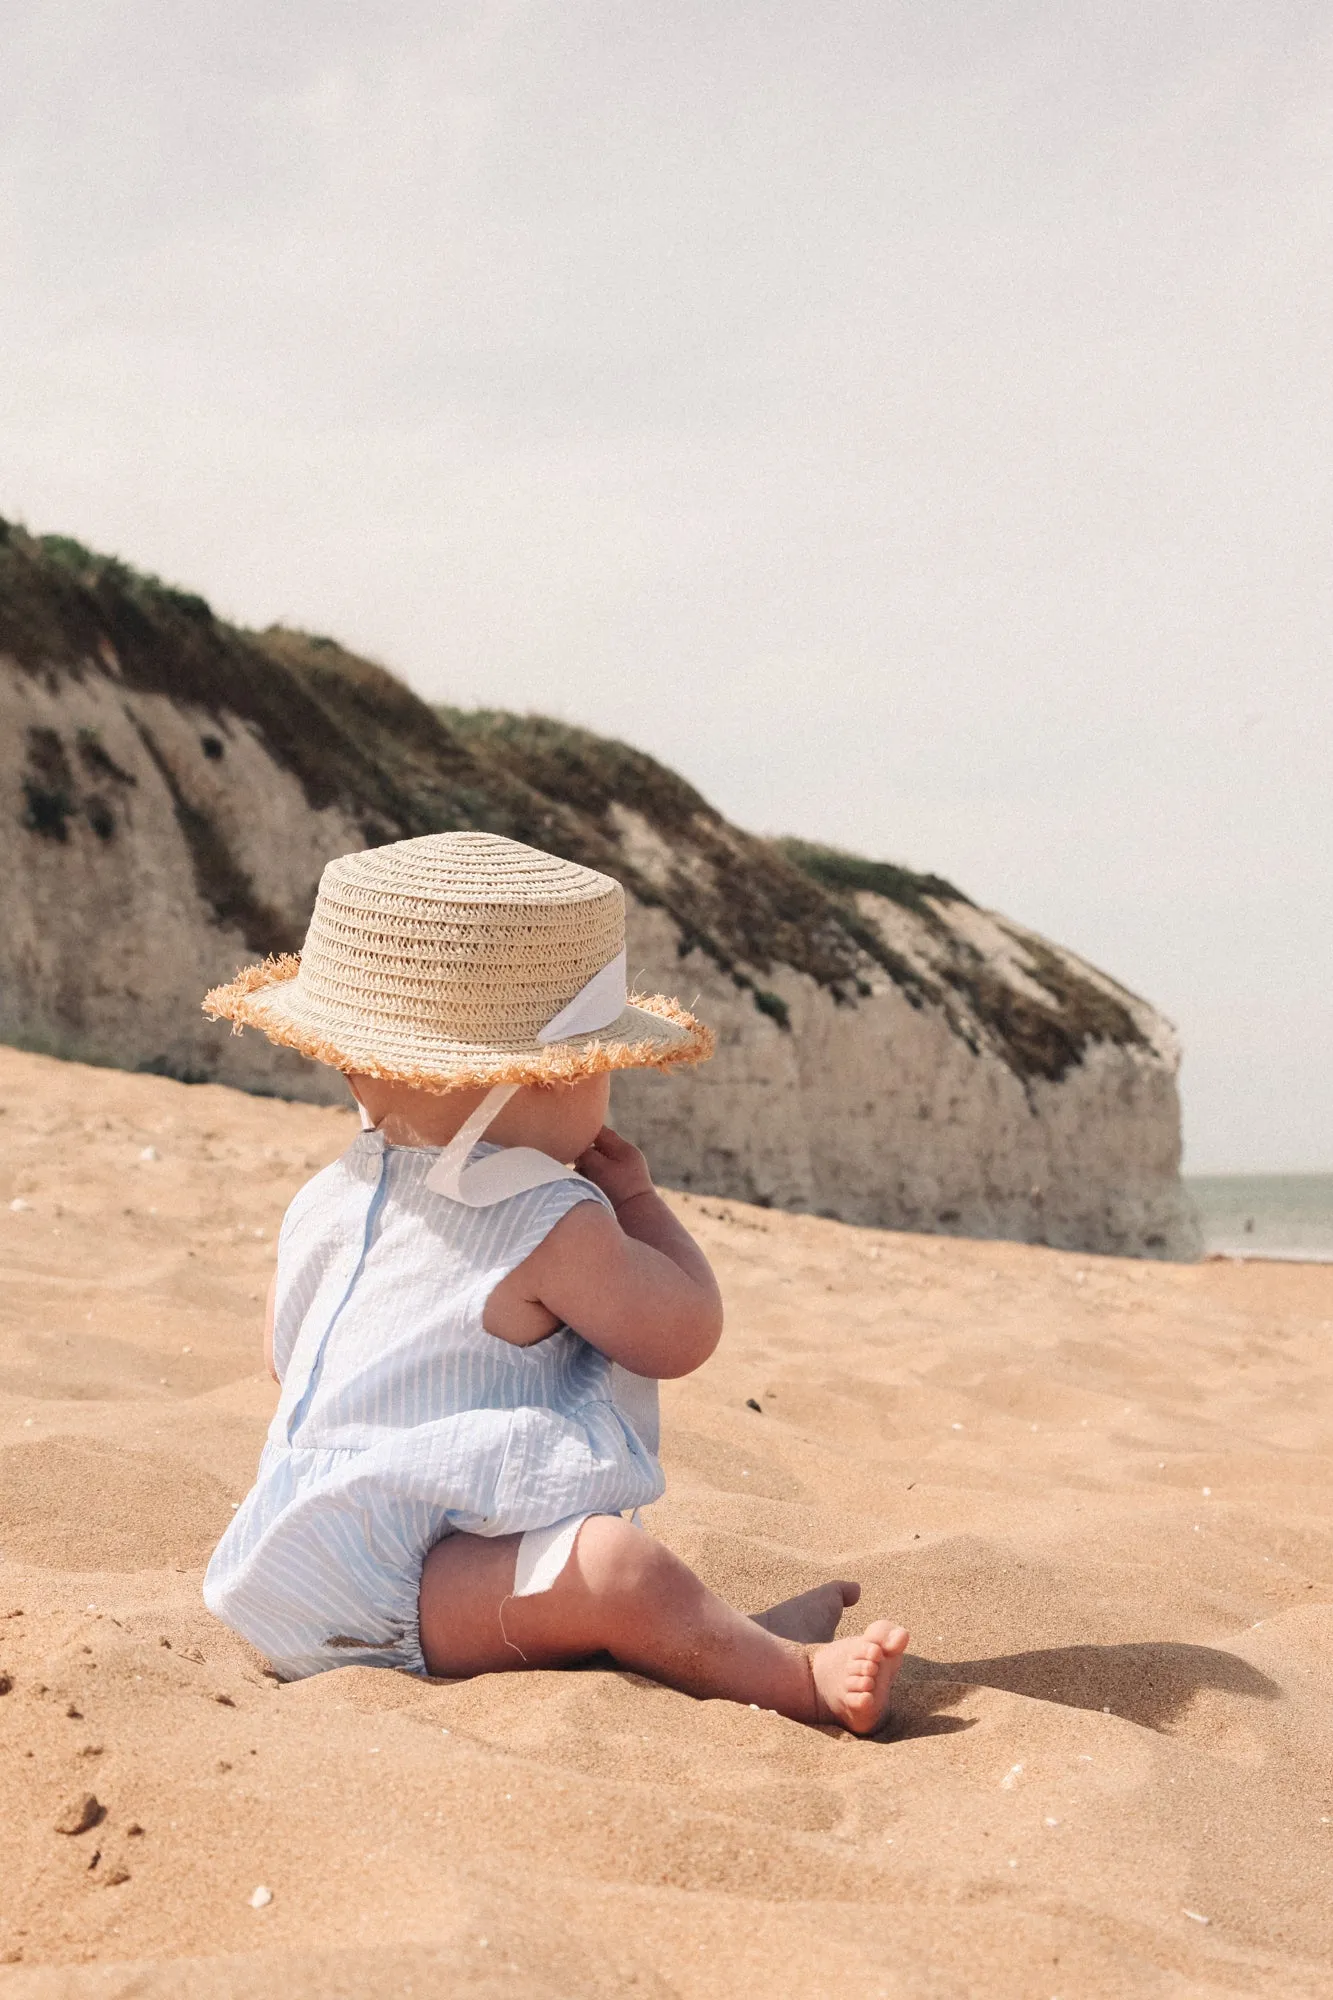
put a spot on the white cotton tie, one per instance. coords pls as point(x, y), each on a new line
point(513, 1170)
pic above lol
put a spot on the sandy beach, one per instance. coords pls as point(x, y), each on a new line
point(1097, 1490)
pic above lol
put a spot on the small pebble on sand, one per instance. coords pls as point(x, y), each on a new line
point(1197, 1917)
point(260, 1898)
point(80, 1813)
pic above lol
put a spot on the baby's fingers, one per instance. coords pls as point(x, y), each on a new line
point(610, 1143)
point(593, 1157)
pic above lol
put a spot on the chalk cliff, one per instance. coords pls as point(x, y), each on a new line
point(170, 788)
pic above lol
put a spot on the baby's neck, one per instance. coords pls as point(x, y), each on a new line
point(421, 1117)
point(561, 1120)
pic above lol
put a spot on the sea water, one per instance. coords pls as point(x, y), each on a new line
point(1265, 1215)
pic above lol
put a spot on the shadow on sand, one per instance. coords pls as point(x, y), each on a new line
point(1151, 1684)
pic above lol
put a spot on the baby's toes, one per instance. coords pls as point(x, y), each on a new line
point(875, 1668)
point(859, 1689)
point(890, 1641)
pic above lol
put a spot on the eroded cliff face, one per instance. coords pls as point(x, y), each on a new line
point(170, 789)
point(155, 846)
point(879, 1112)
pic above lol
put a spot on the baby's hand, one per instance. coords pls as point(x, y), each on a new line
point(616, 1167)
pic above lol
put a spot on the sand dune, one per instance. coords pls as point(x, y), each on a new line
point(1098, 1492)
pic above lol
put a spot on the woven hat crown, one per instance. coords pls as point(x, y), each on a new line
point(475, 938)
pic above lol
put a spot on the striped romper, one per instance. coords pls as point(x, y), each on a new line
point(402, 1420)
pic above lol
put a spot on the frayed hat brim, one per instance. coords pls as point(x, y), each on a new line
point(651, 1033)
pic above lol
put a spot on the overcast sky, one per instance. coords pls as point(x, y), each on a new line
point(912, 422)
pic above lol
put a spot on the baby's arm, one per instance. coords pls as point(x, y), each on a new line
point(621, 1172)
point(637, 1287)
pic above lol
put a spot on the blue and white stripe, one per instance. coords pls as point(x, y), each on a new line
point(401, 1419)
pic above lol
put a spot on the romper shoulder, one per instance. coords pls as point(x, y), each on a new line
point(529, 1218)
point(323, 1194)
point(562, 1196)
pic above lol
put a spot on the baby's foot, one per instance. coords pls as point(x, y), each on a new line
point(853, 1677)
point(814, 1616)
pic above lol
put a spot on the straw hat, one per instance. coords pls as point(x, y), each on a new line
point(462, 961)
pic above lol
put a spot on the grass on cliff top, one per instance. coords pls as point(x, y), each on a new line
point(589, 772)
point(848, 874)
point(733, 896)
point(62, 552)
point(349, 732)
point(592, 773)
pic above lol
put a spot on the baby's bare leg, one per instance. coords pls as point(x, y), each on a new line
point(623, 1593)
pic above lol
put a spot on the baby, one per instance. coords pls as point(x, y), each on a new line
point(468, 1332)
